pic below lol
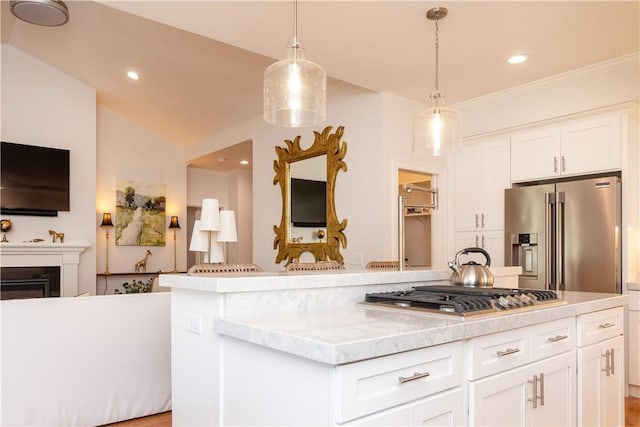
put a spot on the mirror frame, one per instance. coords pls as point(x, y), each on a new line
point(324, 143)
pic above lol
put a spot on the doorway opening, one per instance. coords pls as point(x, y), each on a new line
point(416, 190)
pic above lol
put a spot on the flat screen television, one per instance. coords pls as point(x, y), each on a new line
point(33, 180)
point(308, 203)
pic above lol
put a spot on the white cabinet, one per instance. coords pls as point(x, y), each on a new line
point(634, 343)
point(481, 176)
point(524, 376)
point(582, 147)
point(601, 368)
point(539, 394)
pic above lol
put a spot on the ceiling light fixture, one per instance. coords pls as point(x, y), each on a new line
point(295, 89)
point(133, 75)
point(437, 126)
point(517, 59)
point(49, 13)
point(244, 162)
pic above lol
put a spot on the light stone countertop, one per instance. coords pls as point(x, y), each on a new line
point(349, 334)
point(270, 281)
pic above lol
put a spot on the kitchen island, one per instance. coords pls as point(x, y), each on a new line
point(291, 349)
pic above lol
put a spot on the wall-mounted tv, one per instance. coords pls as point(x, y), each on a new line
point(308, 203)
point(33, 180)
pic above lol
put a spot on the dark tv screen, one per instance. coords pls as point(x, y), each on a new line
point(34, 180)
point(308, 203)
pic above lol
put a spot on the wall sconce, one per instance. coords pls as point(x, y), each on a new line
point(173, 224)
point(227, 231)
point(106, 222)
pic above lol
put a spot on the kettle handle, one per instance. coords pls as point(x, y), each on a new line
point(476, 250)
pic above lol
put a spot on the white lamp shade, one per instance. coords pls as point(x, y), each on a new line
point(199, 239)
point(294, 91)
point(210, 215)
point(227, 231)
point(436, 129)
point(217, 252)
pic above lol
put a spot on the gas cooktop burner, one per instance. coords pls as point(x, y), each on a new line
point(465, 302)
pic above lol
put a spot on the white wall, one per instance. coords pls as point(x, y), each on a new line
point(42, 106)
point(128, 151)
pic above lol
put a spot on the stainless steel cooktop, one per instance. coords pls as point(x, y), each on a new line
point(466, 302)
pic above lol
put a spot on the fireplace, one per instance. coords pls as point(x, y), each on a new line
point(63, 257)
point(29, 282)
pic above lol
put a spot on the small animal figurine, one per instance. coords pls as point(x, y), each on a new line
point(141, 266)
point(55, 235)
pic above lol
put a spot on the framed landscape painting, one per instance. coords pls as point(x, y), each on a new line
point(140, 213)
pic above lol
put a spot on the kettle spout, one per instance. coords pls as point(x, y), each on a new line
point(453, 267)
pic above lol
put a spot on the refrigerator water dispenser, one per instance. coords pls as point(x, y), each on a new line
point(524, 253)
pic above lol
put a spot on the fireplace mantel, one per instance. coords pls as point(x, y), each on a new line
point(64, 255)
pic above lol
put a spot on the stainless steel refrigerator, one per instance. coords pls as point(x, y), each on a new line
point(566, 235)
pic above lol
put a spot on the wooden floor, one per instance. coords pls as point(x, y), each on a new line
point(632, 417)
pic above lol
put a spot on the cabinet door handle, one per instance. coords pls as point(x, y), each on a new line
point(606, 325)
point(482, 222)
point(534, 399)
point(607, 367)
point(415, 376)
point(482, 242)
point(507, 351)
point(555, 164)
point(612, 355)
point(558, 338)
point(541, 389)
point(477, 223)
point(564, 164)
point(476, 240)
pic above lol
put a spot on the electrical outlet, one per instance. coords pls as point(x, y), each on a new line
point(194, 324)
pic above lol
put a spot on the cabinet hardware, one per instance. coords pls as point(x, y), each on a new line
point(558, 338)
point(555, 164)
point(606, 325)
point(415, 376)
point(477, 222)
point(476, 240)
point(507, 351)
point(607, 367)
point(612, 355)
point(482, 222)
point(482, 242)
point(534, 399)
point(564, 164)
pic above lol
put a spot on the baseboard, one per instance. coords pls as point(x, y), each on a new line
point(634, 390)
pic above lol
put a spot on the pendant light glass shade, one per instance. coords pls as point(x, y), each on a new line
point(437, 128)
point(295, 91)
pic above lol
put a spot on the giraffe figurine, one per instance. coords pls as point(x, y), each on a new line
point(141, 266)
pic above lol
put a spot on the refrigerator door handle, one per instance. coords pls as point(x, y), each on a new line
point(560, 241)
point(548, 209)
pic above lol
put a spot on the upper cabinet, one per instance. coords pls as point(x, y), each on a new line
point(582, 147)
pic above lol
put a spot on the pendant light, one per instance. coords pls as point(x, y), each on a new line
point(437, 127)
point(295, 89)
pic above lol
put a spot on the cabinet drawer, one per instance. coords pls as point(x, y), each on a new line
point(600, 325)
point(376, 384)
point(634, 300)
point(553, 338)
point(490, 354)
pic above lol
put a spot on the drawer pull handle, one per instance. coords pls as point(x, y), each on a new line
point(558, 338)
point(606, 325)
point(507, 352)
point(415, 376)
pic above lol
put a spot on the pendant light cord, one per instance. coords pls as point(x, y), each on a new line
point(294, 42)
point(437, 62)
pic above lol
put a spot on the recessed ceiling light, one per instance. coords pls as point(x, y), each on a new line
point(244, 162)
point(222, 159)
point(517, 59)
point(133, 75)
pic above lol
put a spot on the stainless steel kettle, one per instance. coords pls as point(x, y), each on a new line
point(472, 274)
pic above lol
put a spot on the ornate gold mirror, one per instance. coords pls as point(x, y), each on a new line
point(307, 181)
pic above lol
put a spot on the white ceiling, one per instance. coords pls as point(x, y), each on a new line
point(201, 62)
